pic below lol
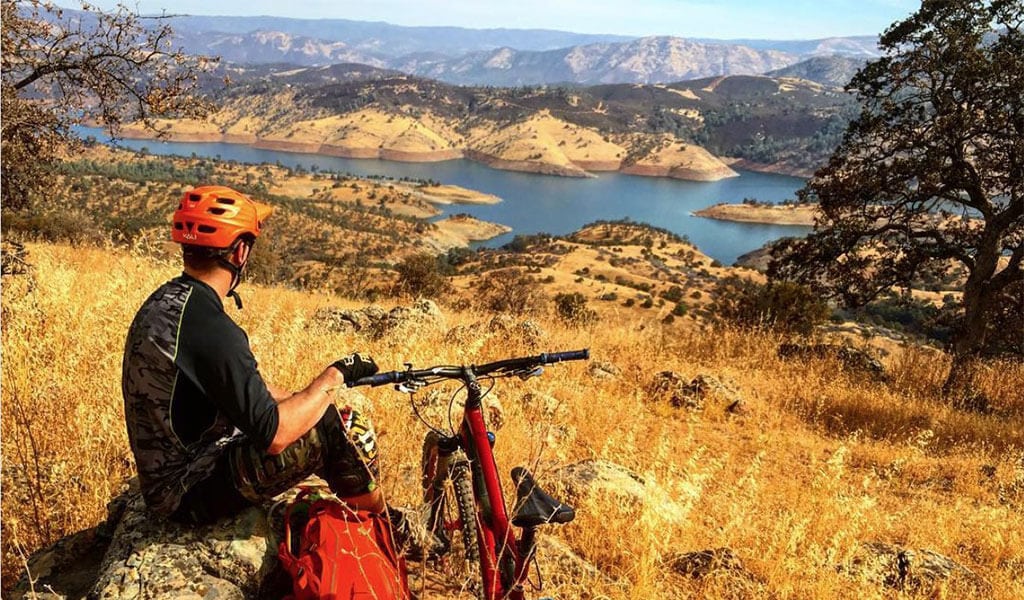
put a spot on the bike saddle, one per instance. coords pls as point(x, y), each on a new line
point(535, 506)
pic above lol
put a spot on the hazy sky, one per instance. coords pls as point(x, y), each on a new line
point(775, 19)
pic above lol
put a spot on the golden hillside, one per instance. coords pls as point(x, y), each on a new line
point(537, 142)
point(815, 464)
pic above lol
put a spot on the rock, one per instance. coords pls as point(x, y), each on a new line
point(544, 405)
point(150, 557)
point(562, 565)
point(906, 569)
point(719, 571)
point(600, 369)
point(375, 323)
point(348, 320)
point(601, 478)
point(673, 388)
point(704, 562)
point(852, 359)
point(503, 327)
point(137, 555)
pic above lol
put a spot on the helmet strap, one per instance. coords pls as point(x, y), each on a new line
point(236, 274)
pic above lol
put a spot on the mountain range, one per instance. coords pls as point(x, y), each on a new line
point(508, 57)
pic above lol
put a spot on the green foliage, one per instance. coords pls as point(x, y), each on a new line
point(509, 291)
point(780, 306)
point(422, 275)
point(572, 308)
point(110, 67)
point(929, 174)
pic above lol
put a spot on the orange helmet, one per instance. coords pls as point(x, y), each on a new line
point(215, 216)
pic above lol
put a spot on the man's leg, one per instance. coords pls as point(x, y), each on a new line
point(341, 448)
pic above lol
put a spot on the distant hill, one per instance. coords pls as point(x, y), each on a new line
point(863, 46)
point(835, 71)
point(645, 60)
point(494, 56)
point(385, 39)
point(691, 130)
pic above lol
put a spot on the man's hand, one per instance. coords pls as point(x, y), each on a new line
point(355, 366)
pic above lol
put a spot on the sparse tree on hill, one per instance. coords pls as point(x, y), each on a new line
point(63, 68)
point(930, 173)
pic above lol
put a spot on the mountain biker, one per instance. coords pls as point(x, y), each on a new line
point(210, 436)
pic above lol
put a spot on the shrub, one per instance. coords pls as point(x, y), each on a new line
point(572, 308)
point(781, 305)
point(422, 275)
point(679, 309)
point(673, 294)
point(509, 291)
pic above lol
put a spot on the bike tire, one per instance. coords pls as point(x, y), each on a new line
point(454, 492)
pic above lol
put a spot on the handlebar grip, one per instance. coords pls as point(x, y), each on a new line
point(555, 357)
point(376, 380)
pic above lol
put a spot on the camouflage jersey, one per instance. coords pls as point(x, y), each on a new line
point(191, 387)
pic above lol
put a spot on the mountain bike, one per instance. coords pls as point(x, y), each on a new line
point(461, 485)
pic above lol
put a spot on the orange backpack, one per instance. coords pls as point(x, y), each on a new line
point(342, 554)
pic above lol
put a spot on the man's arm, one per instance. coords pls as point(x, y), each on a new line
point(277, 393)
point(299, 412)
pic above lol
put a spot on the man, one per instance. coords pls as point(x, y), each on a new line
point(209, 435)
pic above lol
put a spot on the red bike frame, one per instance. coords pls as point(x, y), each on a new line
point(499, 546)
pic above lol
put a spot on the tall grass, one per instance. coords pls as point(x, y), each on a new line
point(819, 462)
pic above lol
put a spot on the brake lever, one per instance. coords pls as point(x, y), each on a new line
point(535, 372)
point(410, 387)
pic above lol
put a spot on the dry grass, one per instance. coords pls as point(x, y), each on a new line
point(819, 463)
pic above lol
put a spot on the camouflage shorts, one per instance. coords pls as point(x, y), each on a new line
point(341, 448)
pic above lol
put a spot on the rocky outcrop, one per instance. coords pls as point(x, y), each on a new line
point(669, 386)
point(376, 323)
point(852, 360)
point(503, 328)
point(905, 569)
point(137, 555)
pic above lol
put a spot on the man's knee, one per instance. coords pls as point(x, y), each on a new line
point(341, 448)
point(351, 467)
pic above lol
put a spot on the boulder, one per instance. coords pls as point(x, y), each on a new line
point(600, 478)
point(718, 571)
point(137, 555)
point(375, 323)
point(901, 568)
point(562, 565)
point(853, 360)
point(702, 563)
point(673, 388)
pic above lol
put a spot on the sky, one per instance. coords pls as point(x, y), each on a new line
point(724, 19)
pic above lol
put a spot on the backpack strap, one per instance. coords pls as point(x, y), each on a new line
point(285, 547)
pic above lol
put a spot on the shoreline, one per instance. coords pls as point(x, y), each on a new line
point(575, 169)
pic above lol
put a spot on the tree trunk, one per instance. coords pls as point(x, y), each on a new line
point(969, 342)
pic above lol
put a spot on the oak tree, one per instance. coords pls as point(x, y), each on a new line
point(931, 174)
point(62, 68)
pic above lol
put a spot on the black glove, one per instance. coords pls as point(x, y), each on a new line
point(355, 366)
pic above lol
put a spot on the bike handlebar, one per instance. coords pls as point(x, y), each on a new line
point(511, 364)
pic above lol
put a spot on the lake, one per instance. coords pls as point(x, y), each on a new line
point(557, 205)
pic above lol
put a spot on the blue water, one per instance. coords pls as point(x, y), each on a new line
point(557, 205)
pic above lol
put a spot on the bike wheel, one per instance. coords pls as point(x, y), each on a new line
point(448, 490)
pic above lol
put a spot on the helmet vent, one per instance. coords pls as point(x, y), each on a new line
point(216, 211)
point(178, 226)
point(225, 200)
point(195, 197)
point(207, 229)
